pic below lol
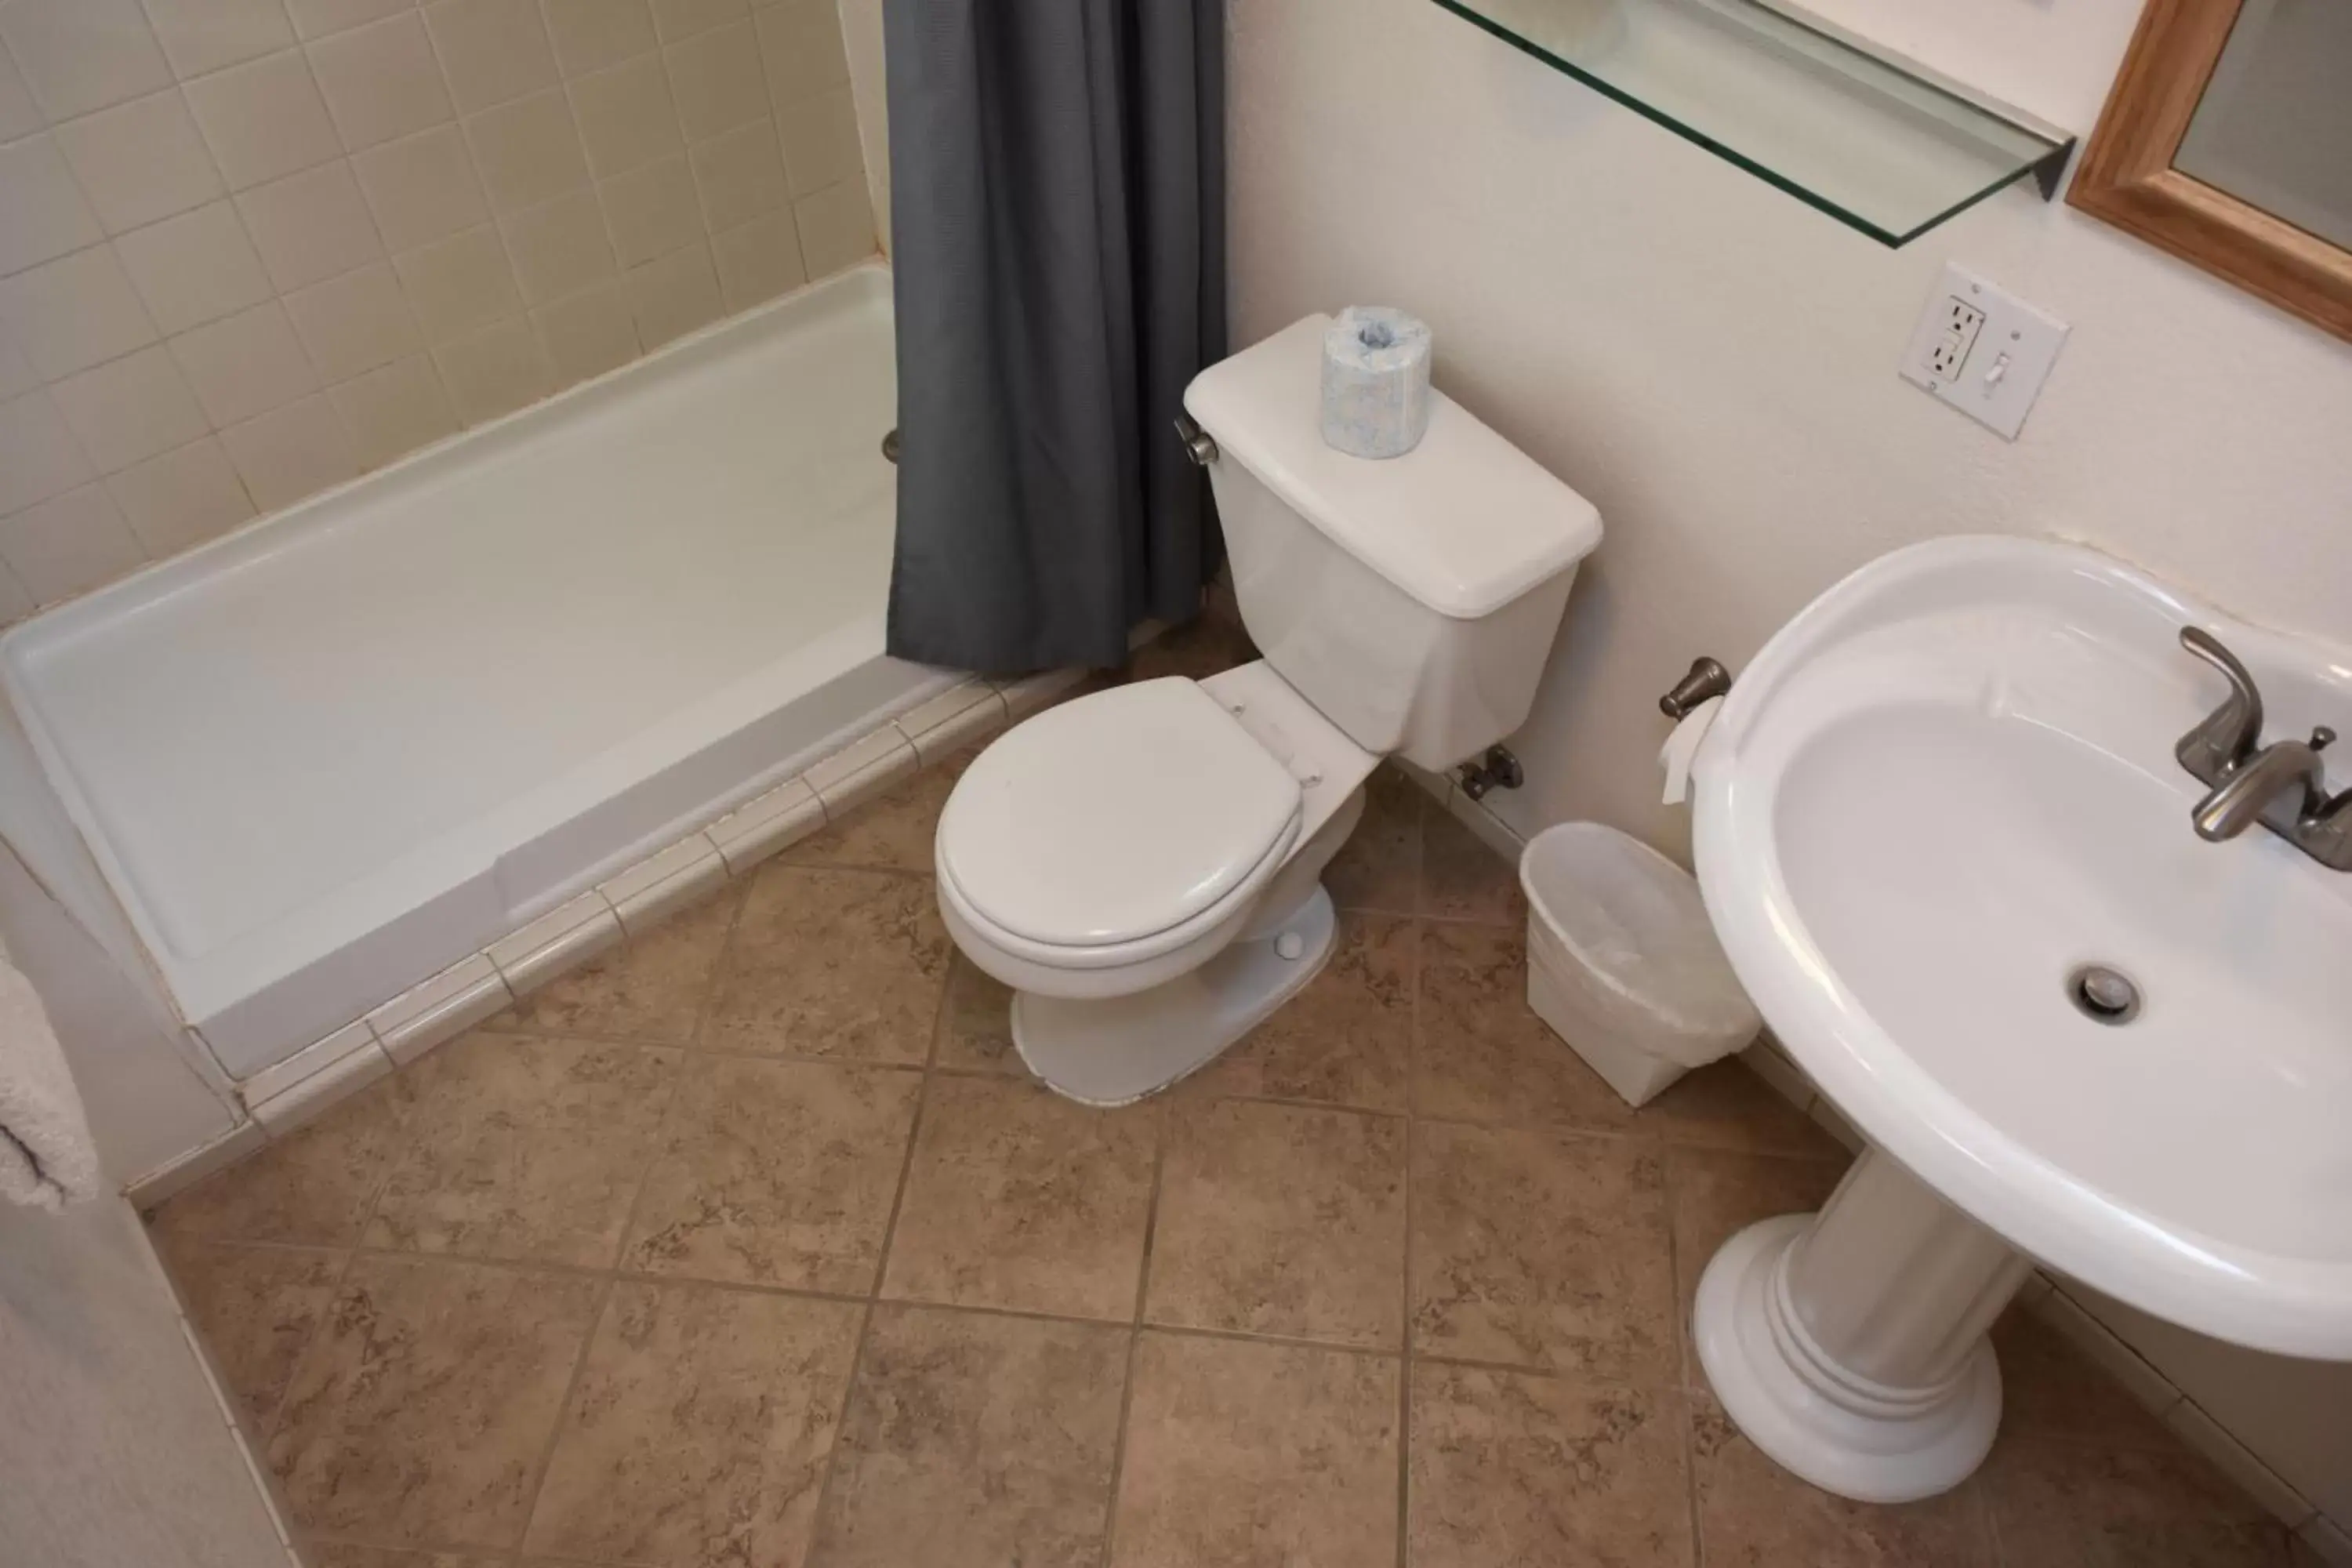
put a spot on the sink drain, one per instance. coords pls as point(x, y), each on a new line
point(2103, 996)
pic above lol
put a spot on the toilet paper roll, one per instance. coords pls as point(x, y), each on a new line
point(1375, 382)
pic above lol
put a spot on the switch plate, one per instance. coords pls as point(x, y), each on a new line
point(1983, 350)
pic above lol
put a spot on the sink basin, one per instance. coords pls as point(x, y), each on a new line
point(1934, 799)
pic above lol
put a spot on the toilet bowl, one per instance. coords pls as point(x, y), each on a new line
point(1143, 866)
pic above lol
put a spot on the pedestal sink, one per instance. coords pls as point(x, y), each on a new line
point(1942, 834)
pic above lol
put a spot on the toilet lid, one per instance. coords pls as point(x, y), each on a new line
point(1115, 816)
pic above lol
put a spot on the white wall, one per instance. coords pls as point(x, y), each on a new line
point(113, 1451)
point(137, 1070)
point(1713, 364)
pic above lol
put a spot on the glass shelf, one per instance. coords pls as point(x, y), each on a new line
point(1880, 146)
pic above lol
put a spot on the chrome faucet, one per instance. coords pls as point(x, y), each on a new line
point(2283, 785)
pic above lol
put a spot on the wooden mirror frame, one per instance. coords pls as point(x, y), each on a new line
point(2127, 176)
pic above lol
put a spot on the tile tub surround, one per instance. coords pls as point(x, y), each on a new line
point(864, 1307)
point(249, 250)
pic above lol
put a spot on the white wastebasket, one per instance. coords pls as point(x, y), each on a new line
point(1623, 961)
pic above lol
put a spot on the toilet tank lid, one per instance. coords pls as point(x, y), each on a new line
point(1465, 523)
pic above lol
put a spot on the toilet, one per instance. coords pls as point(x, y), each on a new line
point(1143, 865)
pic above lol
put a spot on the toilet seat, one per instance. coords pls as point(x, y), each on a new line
point(1115, 828)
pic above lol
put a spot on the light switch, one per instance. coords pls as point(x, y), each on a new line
point(1983, 350)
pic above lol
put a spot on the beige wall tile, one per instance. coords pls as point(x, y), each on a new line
point(560, 247)
point(589, 332)
point(82, 55)
point(527, 151)
point(717, 79)
point(495, 371)
point(676, 19)
point(311, 226)
point(381, 80)
point(674, 295)
point(819, 141)
point(626, 117)
point(244, 365)
point(491, 50)
point(42, 213)
point(759, 260)
point(68, 545)
point(177, 500)
point(394, 409)
point(589, 35)
point(74, 312)
point(16, 601)
point(421, 188)
point(317, 18)
point(354, 322)
point(17, 376)
point(200, 35)
point(291, 452)
point(800, 44)
point(140, 160)
point(264, 120)
point(458, 285)
point(836, 227)
point(193, 268)
point(38, 456)
point(741, 174)
point(130, 408)
point(652, 211)
point(19, 115)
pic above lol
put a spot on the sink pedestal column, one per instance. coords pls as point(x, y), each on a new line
point(1850, 1345)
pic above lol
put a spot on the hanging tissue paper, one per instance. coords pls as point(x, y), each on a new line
point(1375, 382)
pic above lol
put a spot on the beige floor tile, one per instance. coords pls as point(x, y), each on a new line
point(1542, 1250)
point(833, 964)
point(1509, 1470)
point(328, 1555)
point(1754, 1514)
point(1379, 866)
point(700, 1431)
point(1200, 647)
point(650, 990)
point(257, 1307)
point(1482, 1055)
point(526, 1148)
point(1718, 1195)
point(1463, 880)
point(1277, 1219)
point(2068, 1505)
point(311, 1187)
point(1724, 1106)
point(1018, 1198)
point(1257, 1456)
point(893, 831)
point(2050, 1389)
point(776, 1173)
point(420, 1417)
point(1346, 1039)
point(976, 1023)
point(974, 1439)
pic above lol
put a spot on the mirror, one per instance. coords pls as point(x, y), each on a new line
point(2228, 142)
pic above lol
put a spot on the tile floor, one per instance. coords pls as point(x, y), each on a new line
point(750, 1245)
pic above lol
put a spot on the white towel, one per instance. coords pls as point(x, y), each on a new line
point(45, 1156)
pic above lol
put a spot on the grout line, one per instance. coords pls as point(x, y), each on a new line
point(1162, 1115)
point(1406, 1282)
point(873, 1299)
point(1682, 1358)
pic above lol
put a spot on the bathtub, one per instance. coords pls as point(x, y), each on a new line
point(324, 757)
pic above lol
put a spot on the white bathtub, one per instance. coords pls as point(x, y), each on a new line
point(324, 757)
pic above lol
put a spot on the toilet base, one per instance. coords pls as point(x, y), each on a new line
point(1116, 1050)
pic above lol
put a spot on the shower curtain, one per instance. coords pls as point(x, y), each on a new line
point(1057, 218)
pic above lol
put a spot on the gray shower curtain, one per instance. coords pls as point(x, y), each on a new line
point(1057, 218)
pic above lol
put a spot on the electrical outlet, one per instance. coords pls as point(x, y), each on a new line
point(1982, 350)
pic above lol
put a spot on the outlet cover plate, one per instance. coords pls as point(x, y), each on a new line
point(2003, 363)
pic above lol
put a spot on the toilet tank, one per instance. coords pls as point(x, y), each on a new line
point(1412, 600)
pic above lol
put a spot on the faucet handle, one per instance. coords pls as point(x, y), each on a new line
point(2228, 735)
point(2322, 737)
